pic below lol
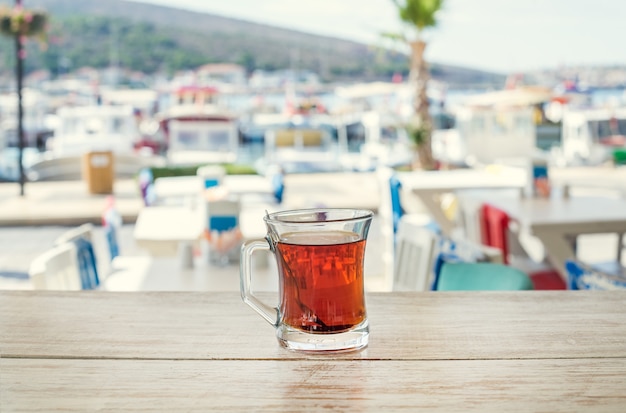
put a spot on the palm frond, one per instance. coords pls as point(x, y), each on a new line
point(419, 13)
point(399, 37)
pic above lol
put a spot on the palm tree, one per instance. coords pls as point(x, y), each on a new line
point(419, 15)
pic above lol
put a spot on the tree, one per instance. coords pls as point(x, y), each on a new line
point(419, 15)
point(19, 24)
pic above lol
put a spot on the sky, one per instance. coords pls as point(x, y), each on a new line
point(505, 36)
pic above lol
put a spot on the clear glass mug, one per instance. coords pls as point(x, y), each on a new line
point(320, 255)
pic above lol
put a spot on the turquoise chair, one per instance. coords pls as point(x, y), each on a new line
point(481, 276)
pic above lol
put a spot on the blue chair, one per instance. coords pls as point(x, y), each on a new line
point(276, 175)
point(278, 186)
point(450, 250)
point(585, 277)
point(87, 267)
point(397, 211)
point(146, 186)
point(481, 276)
point(82, 239)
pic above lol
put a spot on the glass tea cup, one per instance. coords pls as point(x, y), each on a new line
point(320, 255)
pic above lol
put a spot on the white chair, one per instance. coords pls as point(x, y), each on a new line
point(124, 273)
point(84, 231)
point(390, 214)
point(418, 247)
point(413, 263)
point(56, 269)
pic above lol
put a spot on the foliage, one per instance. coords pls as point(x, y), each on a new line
point(155, 41)
point(104, 41)
point(231, 169)
point(19, 21)
point(418, 134)
point(419, 13)
point(77, 41)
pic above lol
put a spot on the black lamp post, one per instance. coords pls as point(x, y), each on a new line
point(19, 73)
point(19, 24)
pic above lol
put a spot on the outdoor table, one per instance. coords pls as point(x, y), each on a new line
point(181, 189)
point(169, 230)
point(428, 186)
point(201, 351)
point(612, 179)
point(173, 230)
point(557, 220)
point(177, 188)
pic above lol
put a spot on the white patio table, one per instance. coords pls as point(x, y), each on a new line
point(596, 177)
point(179, 189)
point(173, 230)
point(428, 186)
point(169, 230)
point(558, 220)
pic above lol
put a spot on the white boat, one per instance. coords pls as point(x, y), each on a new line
point(84, 129)
point(300, 149)
point(373, 138)
point(36, 127)
point(492, 127)
point(589, 136)
point(300, 139)
point(196, 129)
point(380, 113)
point(196, 135)
point(9, 164)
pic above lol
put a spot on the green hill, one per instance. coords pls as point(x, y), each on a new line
point(152, 39)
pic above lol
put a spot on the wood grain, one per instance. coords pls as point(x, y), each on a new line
point(404, 326)
point(313, 385)
point(196, 352)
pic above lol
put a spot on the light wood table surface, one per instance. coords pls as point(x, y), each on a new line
point(489, 352)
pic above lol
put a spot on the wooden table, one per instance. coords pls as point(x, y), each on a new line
point(556, 221)
point(489, 352)
point(428, 186)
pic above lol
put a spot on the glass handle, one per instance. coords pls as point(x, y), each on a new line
point(269, 313)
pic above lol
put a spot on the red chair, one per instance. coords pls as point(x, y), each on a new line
point(494, 226)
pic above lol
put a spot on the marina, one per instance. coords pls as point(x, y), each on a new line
point(358, 130)
point(418, 224)
point(318, 150)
